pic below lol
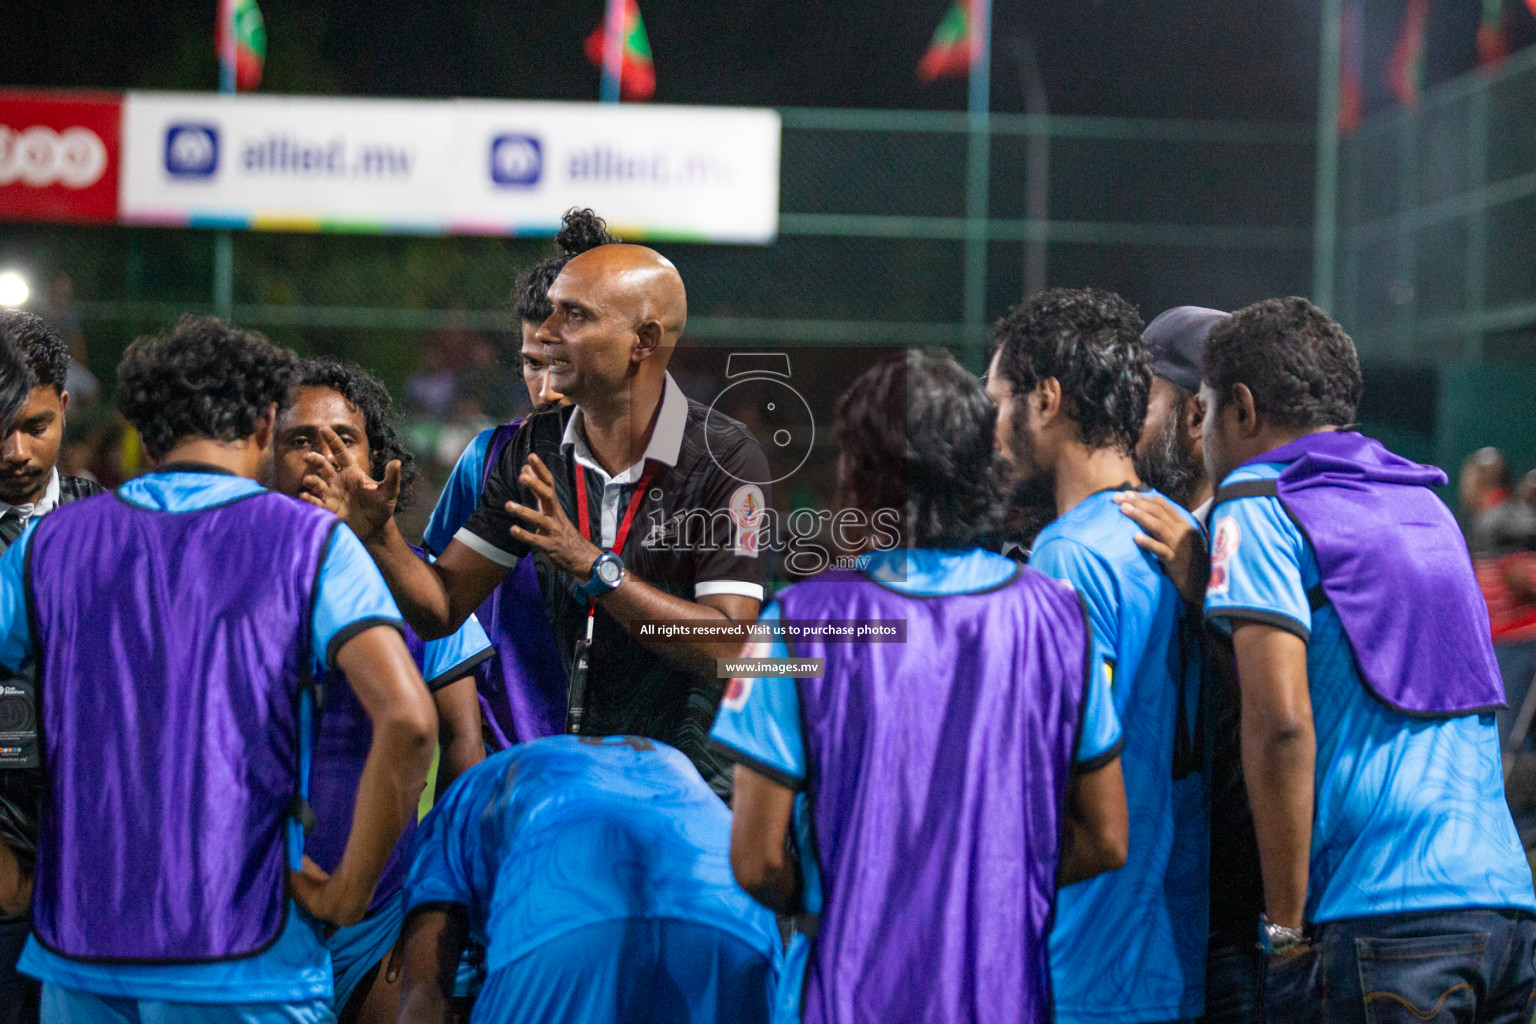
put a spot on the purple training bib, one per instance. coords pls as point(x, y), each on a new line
point(173, 649)
point(1395, 567)
point(938, 771)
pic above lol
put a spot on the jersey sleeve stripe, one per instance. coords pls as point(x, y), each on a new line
point(762, 768)
point(484, 548)
point(1098, 761)
point(1265, 616)
point(706, 588)
point(460, 670)
point(352, 629)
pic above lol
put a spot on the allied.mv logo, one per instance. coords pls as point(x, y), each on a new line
point(191, 150)
point(517, 161)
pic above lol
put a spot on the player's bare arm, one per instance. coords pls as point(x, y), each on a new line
point(550, 530)
point(760, 854)
point(432, 941)
point(458, 730)
point(436, 597)
point(1279, 750)
point(385, 680)
point(1096, 830)
point(15, 883)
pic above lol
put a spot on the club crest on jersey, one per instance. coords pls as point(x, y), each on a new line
point(746, 506)
point(738, 690)
point(1223, 546)
point(736, 693)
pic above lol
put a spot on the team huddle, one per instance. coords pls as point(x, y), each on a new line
point(1191, 716)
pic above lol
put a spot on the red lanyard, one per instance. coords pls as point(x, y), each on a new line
point(584, 522)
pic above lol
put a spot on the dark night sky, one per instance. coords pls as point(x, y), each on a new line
point(1160, 58)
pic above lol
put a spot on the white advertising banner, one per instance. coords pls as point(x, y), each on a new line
point(448, 166)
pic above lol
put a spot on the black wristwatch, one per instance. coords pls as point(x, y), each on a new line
point(607, 574)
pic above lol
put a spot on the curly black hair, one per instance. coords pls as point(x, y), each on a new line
point(1090, 341)
point(202, 378)
point(580, 230)
point(1298, 362)
point(17, 378)
point(40, 345)
point(368, 395)
point(915, 432)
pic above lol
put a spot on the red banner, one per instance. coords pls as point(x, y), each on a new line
point(59, 155)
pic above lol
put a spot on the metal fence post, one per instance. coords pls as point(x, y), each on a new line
point(1477, 222)
point(223, 242)
point(1405, 295)
point(1325, 222)
point(978, 184)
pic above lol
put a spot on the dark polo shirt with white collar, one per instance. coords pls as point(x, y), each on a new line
point(687, 540)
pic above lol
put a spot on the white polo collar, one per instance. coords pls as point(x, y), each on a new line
point(666, 440)
point(44, 505)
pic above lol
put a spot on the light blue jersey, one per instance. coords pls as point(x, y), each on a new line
point(1409, 813)
point(460, 495)
point(566, 832)
point(1130, 944)
point(449, 659)
point(297, 968)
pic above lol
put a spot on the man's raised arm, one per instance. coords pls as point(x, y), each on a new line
point(435, 598)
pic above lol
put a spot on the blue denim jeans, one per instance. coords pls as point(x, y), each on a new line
point(1462, 966)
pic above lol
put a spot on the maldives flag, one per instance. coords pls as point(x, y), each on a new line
point(250, 41)
point(949, 53)
point(637, 75)
point(1492, 46)
point(1405, 70)
point(1351, 86)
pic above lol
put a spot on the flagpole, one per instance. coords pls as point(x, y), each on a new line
point(613, 51)
point(1325, 214)
point(223, 242)
point(977, 181)
point(1037, 162)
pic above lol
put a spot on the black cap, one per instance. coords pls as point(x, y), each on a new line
point(1177, 340)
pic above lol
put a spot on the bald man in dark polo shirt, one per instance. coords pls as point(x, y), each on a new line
point(597, 491)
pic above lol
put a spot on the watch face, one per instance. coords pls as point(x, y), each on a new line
point(609, 571)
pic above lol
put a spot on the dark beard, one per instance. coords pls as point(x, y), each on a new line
point(1169, 467)
point(1031, 507)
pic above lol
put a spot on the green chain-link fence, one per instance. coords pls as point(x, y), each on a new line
point(1437, 254)
point(872, 250)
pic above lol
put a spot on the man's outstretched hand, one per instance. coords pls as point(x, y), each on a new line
point(548, 528)
point(339, 482)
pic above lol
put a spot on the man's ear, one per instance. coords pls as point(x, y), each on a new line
point(266, 426)
point(1192, 419)
point(1246, 410)
point(1047, 396)
point(648, 338)
point(63, 402)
